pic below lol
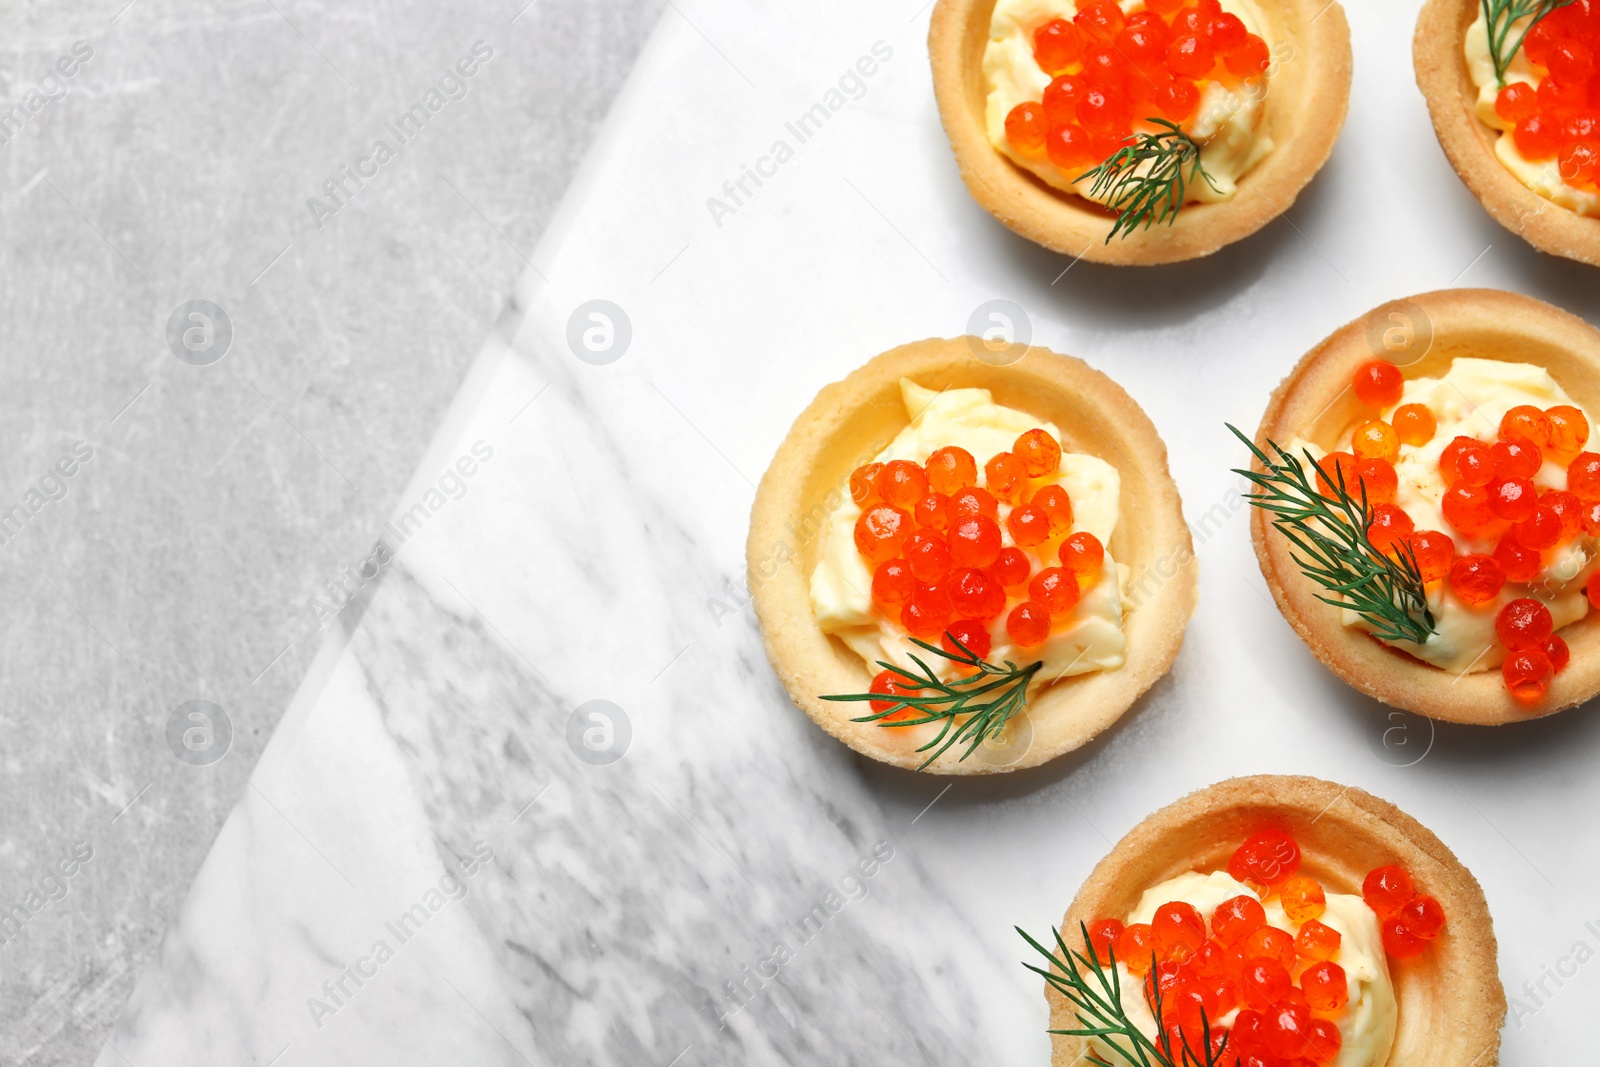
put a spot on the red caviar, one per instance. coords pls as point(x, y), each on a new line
point(1112, 73)
point(1378, 383)
point(1289, 992)
point(951, 470)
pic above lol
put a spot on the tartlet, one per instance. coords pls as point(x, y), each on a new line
point(1451, 1003)
point(846, 425)
point(1307, 101)
point(1446, 84)
point(1316, 400)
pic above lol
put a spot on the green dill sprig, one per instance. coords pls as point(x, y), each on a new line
point(1094, 989)
point(1501, 17)
point(988, 699)
point(1330, 532)
point(1146, 179)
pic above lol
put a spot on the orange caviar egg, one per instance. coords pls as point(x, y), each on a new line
point(1103, 934)
point(1325, 985)
point(892, 686)
point(1527, 423)
point(1287, 1029)
point(1029, 525)
point(1556, 650)
point(1569, 428)
point(1388, 528)
point(1268, 857)
point(1517, 103)
point(881, 532)
point(1069, 148)
point(1466, 460)
point(975, 594)
point(902, 483)
point(1516, 458)
point(892, 583)
point(1378, 480)
point(1317, 941)
point(1540, 530)
point(1006, 477)
point(933, 512)
point(1177, 99)
point(1011, 568)
point(1302, 898)
point(973, 502)
point(1378, 384)
point(970, 635)
point(1236, 917)
point(1057, 505)
point(1028, 624)
point(1520, 564)
point(1178, 928)
point(1527, 674)
point(921, 621)
point(1143, 43)
point(1083, 555)
point(1057, 589)
point(1401, 943)
point(1060, 101)
point(1100, 20)
point(928, 556)
point(1476, 579)
point(1423, 916)
point(1191, 55)
point(1512, 499)
point(1262, 983)
point(1466, 507)
point(1323, 1041)
point(951, 470)
point(974, 542)
point(1414, 424)
point(1026, 128)
point(1269, 943)
point(1583, 476)
point(864, 483)
point(1039, 453)
point(1251, 59)
point(1387, 889)
point(1434, 552)
point(1568, 509)
point(1136, 946)
point(1338, 469)
point(1375, 439)
point(1056, 46)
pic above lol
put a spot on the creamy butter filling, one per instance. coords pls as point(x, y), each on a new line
point(1090, 639)
point(1367, 1022)
point(1227, 124)
point(1469, 400)
point(1543, 177)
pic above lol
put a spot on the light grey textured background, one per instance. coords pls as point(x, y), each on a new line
point(183, 559)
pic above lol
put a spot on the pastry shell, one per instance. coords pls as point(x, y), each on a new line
point(851, 421)
point(1315, 403)
point(1442, 75)
point(1309, 92)
point(1451, 1002)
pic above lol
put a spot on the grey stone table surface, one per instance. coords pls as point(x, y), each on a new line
point(217, 511)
